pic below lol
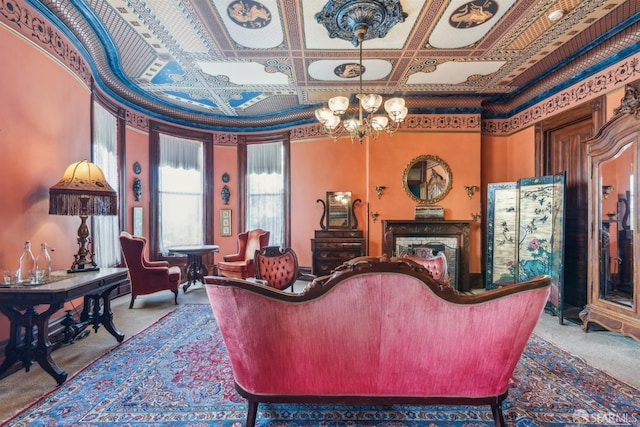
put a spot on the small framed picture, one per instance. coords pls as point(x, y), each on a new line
point(225, 222)
point(137, 221)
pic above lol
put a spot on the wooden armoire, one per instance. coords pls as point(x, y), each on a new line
point(613, 158)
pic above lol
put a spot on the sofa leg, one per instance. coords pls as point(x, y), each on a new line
point(498, 417)
point(133, 298)
point(175, 291)
point(252, 412)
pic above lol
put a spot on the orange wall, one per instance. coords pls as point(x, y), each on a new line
point(44, 127)
point(137, 150)
point(323, 165)
point(225, 160)
point(508, 158)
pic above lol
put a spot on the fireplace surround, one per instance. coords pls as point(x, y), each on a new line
point(414, 236)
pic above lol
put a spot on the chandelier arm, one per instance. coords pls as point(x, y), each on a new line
point(361, 34)
point(368, 126)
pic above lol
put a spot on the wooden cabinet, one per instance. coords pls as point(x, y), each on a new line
point(330, 248)
point(613, 158)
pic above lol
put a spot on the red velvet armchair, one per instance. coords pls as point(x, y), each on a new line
point(241, 264)
point(147, 277)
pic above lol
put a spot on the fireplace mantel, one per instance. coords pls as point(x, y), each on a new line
point(451, 234)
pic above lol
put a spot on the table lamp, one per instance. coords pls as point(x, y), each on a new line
point(83, 191)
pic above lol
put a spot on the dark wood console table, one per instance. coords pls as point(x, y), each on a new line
point(20, 303)
point(451, 236)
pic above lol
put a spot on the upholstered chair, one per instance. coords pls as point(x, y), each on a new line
point(240, 264)
point(276, 267)
point(436, 265)
point(147, 277)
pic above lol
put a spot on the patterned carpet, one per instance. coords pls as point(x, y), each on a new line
point(177, 373)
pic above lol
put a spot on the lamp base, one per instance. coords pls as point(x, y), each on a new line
point(83, 260)
point(82, 270)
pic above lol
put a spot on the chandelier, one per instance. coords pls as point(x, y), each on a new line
point(352, 19)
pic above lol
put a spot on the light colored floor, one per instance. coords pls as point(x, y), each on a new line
point(610, 352)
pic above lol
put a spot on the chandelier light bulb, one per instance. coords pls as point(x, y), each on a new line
point(370, 103)
point(332, 123)
point(399, 117)
point(394, 106)
point(324, 114)
point(339, 104)
point(379, 123)
point(351, 125)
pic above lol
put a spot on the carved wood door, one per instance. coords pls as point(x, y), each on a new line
point(561, 148)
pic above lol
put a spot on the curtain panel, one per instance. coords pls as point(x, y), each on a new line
point(106, 244)
point(265, 189)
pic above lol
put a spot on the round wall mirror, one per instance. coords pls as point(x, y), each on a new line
point(427, 179)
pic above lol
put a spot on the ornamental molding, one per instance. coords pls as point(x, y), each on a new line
point(423, 122)
point(614, 77)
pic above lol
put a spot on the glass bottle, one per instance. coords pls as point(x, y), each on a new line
point(27, 263)
point(43, 260)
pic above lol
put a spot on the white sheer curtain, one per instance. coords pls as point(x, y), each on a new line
point(265, 189)
point(181, 192)
point(106, 244)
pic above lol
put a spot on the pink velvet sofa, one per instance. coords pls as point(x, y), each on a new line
point(377, 331)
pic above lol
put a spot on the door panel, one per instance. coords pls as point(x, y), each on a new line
point(567, 152)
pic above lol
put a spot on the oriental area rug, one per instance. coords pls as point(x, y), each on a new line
point(177, 373)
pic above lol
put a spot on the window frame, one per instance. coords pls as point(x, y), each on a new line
point(243, 141)
point(155, 129)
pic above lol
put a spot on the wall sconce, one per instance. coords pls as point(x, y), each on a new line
point(471, 189)
point(137, 189)
point(379, 190)
point(374, 216)
point(225, 194)
point(475, 216)
point(606, 190)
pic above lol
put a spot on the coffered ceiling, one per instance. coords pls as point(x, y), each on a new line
point(268, 64)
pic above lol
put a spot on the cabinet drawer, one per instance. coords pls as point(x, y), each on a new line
point(338, 245)
point(337, 254)
point(338, 234)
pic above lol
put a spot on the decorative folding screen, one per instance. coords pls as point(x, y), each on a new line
point(525, 234)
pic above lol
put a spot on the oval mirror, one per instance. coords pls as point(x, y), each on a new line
point(427, 179)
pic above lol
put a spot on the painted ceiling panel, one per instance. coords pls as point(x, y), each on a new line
point(252, 24)
point(244, 73)
point(465, 22)
point(333, 70)
point(232, 63)
point(456, 73)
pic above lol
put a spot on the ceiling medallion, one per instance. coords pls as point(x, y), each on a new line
point(343, 18)
point(358, 17)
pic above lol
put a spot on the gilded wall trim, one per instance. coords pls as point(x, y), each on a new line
point(413, 122)
point(590, 88)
